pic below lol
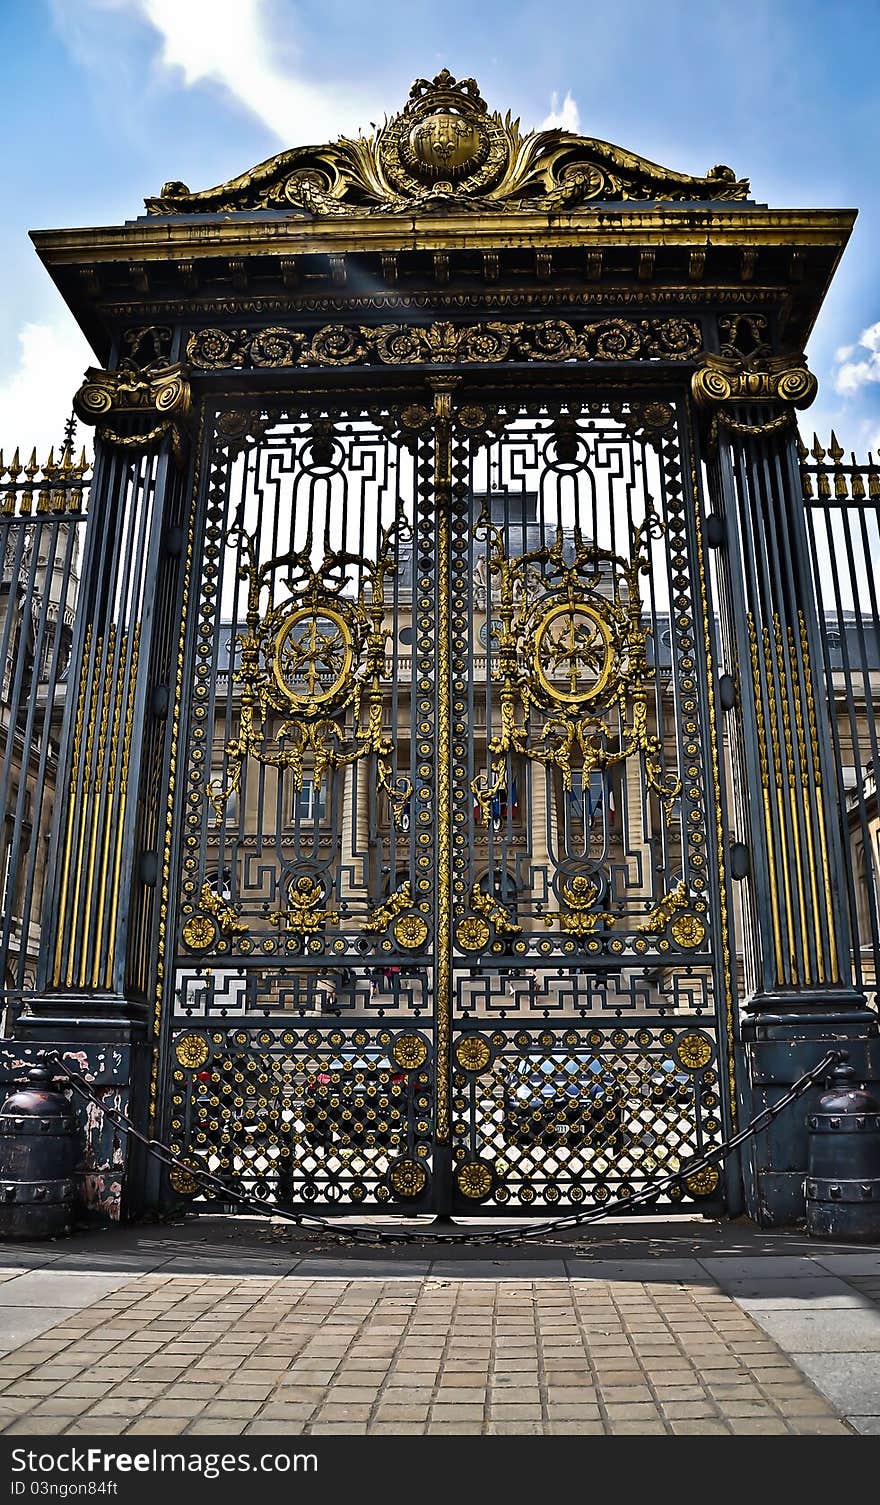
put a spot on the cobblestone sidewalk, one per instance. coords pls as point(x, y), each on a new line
point(224, 1355)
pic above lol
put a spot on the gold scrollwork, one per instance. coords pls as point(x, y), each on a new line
point(308, 661)
point(721, 380)
point(443, 343)
point(575, 651)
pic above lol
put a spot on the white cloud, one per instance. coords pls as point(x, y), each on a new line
point(567, 117)
point(231, 43)
point(851, 375)
point(35, 397)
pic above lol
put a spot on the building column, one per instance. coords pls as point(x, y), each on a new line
point(542, 829)
point(354, 867)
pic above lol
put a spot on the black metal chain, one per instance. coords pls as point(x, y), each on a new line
point(372, 1235)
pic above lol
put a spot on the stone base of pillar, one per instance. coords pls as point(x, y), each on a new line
point(778, 1050)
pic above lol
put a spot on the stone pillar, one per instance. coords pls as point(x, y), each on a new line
point(801, 999)
point(97, 973)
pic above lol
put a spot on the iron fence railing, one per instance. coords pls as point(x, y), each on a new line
point(42, 516)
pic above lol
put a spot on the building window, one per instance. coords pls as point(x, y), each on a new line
point(311, 802)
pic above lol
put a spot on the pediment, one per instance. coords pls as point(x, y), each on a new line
point(445, 152)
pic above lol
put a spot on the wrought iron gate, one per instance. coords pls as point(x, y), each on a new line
point(449, 932)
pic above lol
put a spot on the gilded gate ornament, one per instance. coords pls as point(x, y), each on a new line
point(407, 1179)
point(192, 1051)
point(215, 916)
point(580, 917)
point(312, 659)
point(397, 916)
point(572, 650)
point(304, 915)
point(446, 150)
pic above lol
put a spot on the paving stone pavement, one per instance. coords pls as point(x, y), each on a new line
point(608, 1350)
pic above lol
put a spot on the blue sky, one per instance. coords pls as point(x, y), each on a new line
point(109, 98)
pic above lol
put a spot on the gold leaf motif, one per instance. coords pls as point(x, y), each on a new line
point(303, 915)
point(444, 343)
point(446, 151)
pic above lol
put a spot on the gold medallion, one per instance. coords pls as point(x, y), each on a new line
point(474, 1180)
point(409, 1052)
point(408, 1179)
point(410, 931)
point(199, 932)
point(693, 1051)
point(313, 656)
point(687, 931)
point(192, 1051)
point(702, 1183)
point(183, 1181)
point(473, 1053)
point(472, 933)
point(573, 656)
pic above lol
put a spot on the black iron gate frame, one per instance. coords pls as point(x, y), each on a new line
point(182, 1050)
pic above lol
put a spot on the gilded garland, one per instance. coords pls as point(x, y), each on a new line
point(444, 343)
